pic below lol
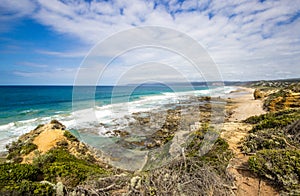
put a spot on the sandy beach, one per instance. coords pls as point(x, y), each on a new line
point(167, 145)
point(243, 105)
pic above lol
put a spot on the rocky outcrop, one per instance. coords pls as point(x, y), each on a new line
point(282, 99)
point(258, 94)
point(45, 138)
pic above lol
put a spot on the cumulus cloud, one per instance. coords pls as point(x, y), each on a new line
point(12, 10)
point(247, 39)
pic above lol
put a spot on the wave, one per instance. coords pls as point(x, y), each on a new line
point(101, 119)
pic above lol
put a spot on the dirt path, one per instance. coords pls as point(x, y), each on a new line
point(243, 106)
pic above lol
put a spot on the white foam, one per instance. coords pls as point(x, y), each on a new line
point(6, 126)
point(116, 115)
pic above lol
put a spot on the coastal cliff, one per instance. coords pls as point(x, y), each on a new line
point(256, 153)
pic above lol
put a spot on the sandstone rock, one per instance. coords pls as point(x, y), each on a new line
point(120, 133)
point(57, 125)
point(258, 94)
point(59, 189)
point(135, 182)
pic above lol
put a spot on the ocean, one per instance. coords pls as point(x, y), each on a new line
point(22, 108)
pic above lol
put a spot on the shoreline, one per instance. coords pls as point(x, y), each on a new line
point(239, 99)
point(234, 131)
point(233, 162)
point(245, 105)
point(12, 130)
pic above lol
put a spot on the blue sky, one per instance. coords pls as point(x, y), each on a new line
point(44, 42)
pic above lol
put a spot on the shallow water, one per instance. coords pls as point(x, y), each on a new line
point(22, 108)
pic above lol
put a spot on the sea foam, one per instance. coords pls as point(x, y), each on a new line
point(105, 118)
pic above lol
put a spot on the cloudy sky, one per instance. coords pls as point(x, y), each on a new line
point(45, 42)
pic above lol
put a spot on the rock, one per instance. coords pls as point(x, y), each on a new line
point(120, 133)
point(258, 94)
point(57, 125)
point(150, 144)
point(136, 182)
point(47, 182)
point(166, 177)
point(205, 98)
point(60, 189)
point(73, 193)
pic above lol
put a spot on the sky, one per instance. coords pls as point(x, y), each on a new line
point(46, 42)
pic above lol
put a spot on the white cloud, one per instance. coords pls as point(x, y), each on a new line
point(11, 10)
point(31, 64)
point(48, 76)
point(68, 54)
point(241, 36)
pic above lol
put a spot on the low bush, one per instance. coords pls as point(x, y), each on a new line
point(70, 136)
point(54, 166)
point(60, 164)
point(26, 187)
point(15, 173)
point(280, 166)
point(18, 148)
point(274, 120)
point(217, 157)
point(264, 139)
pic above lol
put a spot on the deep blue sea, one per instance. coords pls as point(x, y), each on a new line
point(22, 108)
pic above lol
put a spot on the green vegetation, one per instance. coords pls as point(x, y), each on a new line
point(18, 148)
point(56, 165)
point(274, 119)
point(28, 188)
point(22, 179)
point(264, 139)
point(11, 172)
point(217, 157)
point(270, 131)
point(59, 163)
point(281, 95)
point(275, 137)
point(280, 166)
point(70, 136)
point(193, 173)
point(277, 84)
point(275, 142)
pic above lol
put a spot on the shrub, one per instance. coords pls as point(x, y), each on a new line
point(27, 148)
point(274, 120)
point(70, 136)
point(58, 163)
point(42, 160)
point(18, 148)
point(28, 188)
point(217, 157)
point(280, 166)
point(15, 173)
point(71, 173)
point(265, 139)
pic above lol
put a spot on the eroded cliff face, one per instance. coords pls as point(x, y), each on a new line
point(278, 95)
point(45, 138)
point(50, 160)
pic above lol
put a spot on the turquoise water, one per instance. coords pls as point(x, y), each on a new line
point(22, 108)
point(18, 103)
